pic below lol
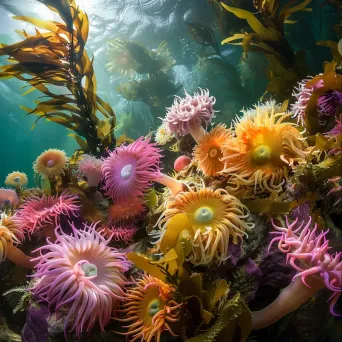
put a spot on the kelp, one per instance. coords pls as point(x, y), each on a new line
point(285, 66)
point(55, 58)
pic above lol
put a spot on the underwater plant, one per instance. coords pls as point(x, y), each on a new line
point(57, 57)
point(50, 163)
point(212, 218)
point(188, 114)
point(82, 273)
point(16, 179)
point(150, 308)
point(163, 135)
point(43, 213)
point(307, 252)
point(264, 150)
point(208, 152)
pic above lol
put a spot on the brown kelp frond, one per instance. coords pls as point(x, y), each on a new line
point(268, 37)
point(56, 56)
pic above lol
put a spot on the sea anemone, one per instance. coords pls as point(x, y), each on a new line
point(122, 233)
point(16, 179)
point(129, 170)
point(149, 309)
point(337, 189)
point(189, 113)
point(181, 163)
point(264, 150)
point(163, 134)
point(327, 103)
point(10, 236)
point(214, 217)
point(336, 133)
point(121, 212)
point(8, 196)
point(307, 252)
point(50, 163)
point(208, 152)
point(44, 212)
point(90, 167)
point(82, 274)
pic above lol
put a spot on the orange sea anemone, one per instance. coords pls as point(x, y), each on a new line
point(126, 211)
point(208, 152)
point(264, 150)
point(9, 234)
point(50, 163)
point(16, 179)
point(214, 217)
point(149, 309)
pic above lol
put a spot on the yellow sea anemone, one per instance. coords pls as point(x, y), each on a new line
point(50, 163)
point(163, 135)
point(214, 217)
point(150, 308)
point(208, 152)
point(16, 179)
point(264, 150)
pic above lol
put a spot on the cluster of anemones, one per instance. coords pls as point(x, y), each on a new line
point(81, 274)
point(150, 308)
point(307, 252)
point(263, 151)
point(214, 217)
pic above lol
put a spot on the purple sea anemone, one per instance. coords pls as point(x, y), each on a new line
point(129, 170)
point(44, 212)
point(83, 275)
point(189, 113)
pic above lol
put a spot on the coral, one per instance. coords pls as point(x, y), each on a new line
point(264, 150)
point(307, 252)
point(81, 273)
point(50, 163)
point(8, 196)
point(208, 152)
point(38, 213)
point(181, 163)
point(189, 113)
point(122, 233)
point(149, 309)
point(90, 167)
point(163, 135)
point(214, 217)
point(129, 170)
point(16, 179)
point(126, 211)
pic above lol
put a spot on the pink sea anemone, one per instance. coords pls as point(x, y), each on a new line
point(189, 113)
point(42, 212)
point(327, 103)
point(90, 167)
point(337, 189)
point(307, 252)
point(124, 233)
point(181, 163)
point(8, 196)
point(122, 212)
point(129, 170)
point(83, 275)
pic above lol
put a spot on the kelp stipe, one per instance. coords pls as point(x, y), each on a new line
point(57, 57)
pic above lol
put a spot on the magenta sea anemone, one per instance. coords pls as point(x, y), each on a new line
point(8, 196)
point(83, 275)
point(327, 103)
point(307, 252)
point(44, 212)
point(189, 113)
point(90, 167)
point(129, 170)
